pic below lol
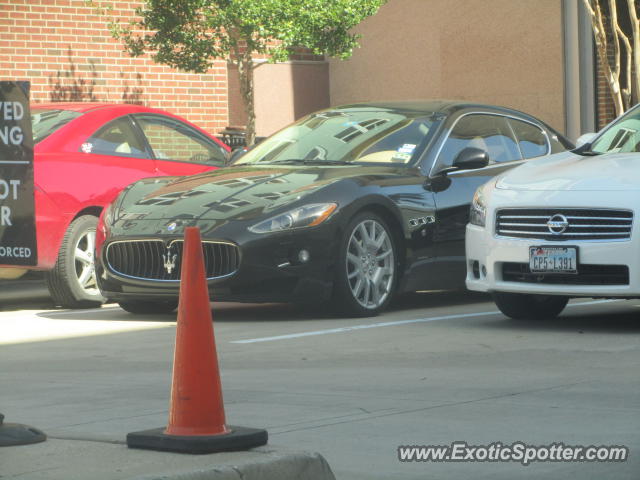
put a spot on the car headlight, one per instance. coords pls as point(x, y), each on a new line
point(307, 216)
point(478, 212)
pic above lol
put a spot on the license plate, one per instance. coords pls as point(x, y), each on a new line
point(553, 259)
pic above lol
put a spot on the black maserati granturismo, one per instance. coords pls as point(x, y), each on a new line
point(345, 207)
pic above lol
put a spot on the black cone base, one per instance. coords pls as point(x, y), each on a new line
point(17, 434)
point(240, 438)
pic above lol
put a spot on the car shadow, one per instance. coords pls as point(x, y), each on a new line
point(108, 312)
point(26, 293)
point(19, 305)
point(264, 312)
point(270, 312)
point(288, 312)
point(437, 298)
point(622, 317)
point(223, 312)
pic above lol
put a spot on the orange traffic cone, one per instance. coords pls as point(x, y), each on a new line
point(196, 414)
point(196, 393)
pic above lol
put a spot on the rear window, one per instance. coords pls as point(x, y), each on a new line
point(46, 121)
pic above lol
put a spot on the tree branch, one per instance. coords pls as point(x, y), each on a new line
point(635, 28)
point(618, 35)
point(600, 36)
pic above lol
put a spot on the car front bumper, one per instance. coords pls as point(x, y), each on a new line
point(270, 270)
point(491, 259)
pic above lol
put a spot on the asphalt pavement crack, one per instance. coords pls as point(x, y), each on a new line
point(85, 439)
point(432, 407)
point(129, 417)
point(238, 471)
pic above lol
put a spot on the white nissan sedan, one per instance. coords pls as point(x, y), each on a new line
point(561, 226)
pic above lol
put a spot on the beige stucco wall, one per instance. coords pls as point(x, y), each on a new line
point(283, 92)
point(506, 52)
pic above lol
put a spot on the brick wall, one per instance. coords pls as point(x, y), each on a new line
point(66, 51)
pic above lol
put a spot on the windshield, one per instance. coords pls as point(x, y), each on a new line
point(623, 136)
point(46, 121)
point(363, 135)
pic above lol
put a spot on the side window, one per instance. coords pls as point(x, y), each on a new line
point(397, 146)
point(531, 139)
point(490, 133)
point(173, 140)
point(116, 138)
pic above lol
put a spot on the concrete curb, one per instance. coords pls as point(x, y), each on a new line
point(290, 466)
point(82, 459)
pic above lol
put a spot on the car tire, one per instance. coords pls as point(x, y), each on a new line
point(521, 306)
point(367, 270)
point(143, 306)
point(72, 281)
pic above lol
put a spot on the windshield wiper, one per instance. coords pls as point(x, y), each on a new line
point(589, 153)
point(585, 150)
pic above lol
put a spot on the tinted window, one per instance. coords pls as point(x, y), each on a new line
point(47, 121)
point(116, 138)
point(173, 140)
point(622, 136)
point(398, 146)
point(490, 133)
point(359, 134)
point(531, 139)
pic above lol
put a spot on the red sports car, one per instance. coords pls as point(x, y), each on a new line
point(85, 153)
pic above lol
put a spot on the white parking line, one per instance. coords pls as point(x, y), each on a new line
point(392, 324)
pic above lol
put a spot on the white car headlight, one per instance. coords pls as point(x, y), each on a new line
point(478, 212)
point(307, 216)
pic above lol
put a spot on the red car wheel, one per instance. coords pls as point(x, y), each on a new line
point(72, 282)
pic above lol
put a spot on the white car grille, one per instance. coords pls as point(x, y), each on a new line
point(564, 223)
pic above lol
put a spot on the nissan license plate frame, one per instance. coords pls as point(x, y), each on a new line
point(552, 259)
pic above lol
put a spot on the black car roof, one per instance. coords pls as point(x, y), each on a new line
point(448, 107)
point(428, 106)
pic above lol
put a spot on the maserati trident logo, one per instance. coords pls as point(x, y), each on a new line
point(557, 224)
point(169, 260)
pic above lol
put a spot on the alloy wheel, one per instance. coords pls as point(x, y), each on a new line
point(370, 264)
point(85, 262)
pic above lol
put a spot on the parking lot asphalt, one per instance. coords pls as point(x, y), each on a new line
point(435, 369)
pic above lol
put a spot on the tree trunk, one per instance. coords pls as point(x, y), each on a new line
point(635, 45)
point(619, 35)
point(600, 37)
point(245, 70)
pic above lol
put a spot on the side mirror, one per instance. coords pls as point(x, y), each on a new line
point(471, 158)
point(233, 155)
point(585, 138)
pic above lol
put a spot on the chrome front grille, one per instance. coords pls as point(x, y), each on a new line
point(154, 259)
point(548, 223)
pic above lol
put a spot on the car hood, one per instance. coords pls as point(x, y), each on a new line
point(233, 193)
point(569, 171)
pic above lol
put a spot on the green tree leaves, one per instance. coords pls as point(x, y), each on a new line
point(191, 34)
